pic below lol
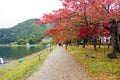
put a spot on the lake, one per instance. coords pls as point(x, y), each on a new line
point(17, 52)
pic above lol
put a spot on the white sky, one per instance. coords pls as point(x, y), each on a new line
point(13, 12)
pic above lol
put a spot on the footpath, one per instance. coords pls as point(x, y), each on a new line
point(59, 66)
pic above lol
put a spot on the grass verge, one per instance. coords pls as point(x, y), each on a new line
point(100, 67)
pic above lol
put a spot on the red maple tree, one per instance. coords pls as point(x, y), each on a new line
point(84, 13)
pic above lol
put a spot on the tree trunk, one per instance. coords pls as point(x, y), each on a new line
point(114, 39)
point(109, 45)
point(76, 42)
point(119, 37)
point(99, 43)
point(66, 46)
point(84, 42)
point(94, 43)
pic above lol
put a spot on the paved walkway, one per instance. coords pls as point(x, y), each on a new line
point(59, 66)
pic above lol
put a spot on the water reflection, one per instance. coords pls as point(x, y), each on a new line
point(17, 52)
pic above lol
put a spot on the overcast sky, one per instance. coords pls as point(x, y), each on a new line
point(13, 12)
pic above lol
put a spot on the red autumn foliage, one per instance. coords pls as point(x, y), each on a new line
point(81, 13)
point(87, 32)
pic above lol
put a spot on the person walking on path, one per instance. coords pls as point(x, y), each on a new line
point(59, 66)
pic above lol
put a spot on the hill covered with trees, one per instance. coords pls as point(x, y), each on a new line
point(24, 32)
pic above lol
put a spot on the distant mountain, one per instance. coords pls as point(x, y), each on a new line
point(24, 32)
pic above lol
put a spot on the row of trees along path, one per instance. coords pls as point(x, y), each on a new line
point(59, 66)
point(85, 19)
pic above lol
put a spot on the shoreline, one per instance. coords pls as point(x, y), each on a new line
point(12, 61)
point(17, 45)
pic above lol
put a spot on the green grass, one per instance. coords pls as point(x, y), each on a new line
point(100, 67)
point(17, 70)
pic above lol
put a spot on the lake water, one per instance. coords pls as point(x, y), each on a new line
point(8, 52)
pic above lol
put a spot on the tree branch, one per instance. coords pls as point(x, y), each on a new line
point(106, 27)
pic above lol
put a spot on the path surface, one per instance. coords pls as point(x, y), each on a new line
point(59, 66)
